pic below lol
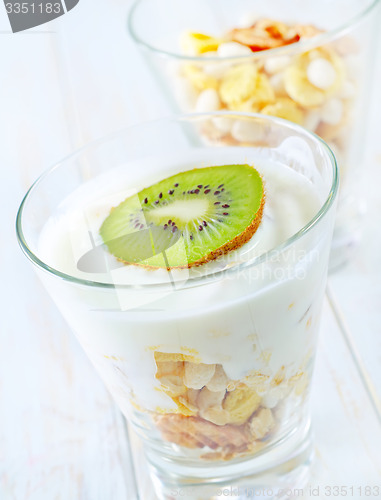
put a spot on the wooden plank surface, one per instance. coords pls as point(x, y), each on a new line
point(60, 434)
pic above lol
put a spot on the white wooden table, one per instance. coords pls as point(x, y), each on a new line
point(61, 437)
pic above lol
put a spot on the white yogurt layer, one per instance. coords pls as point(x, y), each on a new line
point(256, 319)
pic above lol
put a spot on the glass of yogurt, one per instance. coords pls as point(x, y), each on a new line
point(210, 361)
point(305, 61)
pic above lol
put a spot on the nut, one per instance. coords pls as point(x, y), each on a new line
point(208, 100)
point(321, 73)
point(233, 49)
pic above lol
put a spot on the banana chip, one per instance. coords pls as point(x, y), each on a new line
point(299, 87)
point(198, 78)
point(285, 108)
point(301, 90)
point(198, 43)
point(197, 375)
point(241, 404)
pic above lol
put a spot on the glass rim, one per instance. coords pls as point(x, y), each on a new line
point(193, 281)
point(300, 46)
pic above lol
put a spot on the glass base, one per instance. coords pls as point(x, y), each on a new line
point(275, 474)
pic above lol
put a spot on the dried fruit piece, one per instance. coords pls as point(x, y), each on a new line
point(197, 375)
point(307, 30)
point(198, 43)
point(241, 404)
point(262, 423)
point(265, 34)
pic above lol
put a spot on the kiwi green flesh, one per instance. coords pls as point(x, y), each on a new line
point(187, 219)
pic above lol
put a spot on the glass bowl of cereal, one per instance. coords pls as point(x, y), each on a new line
point(304, 61)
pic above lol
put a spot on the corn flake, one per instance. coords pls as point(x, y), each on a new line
point(207, 399)
point(198, 374)
point(238, 84)
point(241, 404)
point(285, 108)
point(199, 79)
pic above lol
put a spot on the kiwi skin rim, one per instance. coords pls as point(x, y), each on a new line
point(231, 245)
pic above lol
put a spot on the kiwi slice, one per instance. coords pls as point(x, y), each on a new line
point(188, 219)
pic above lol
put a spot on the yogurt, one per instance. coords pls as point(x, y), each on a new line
point(183, 344)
